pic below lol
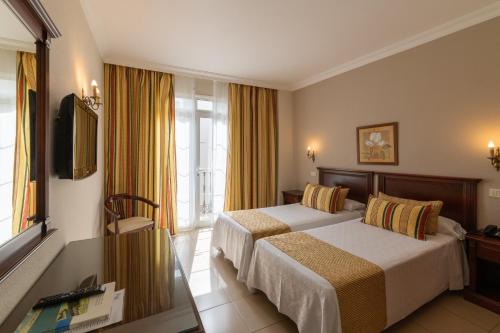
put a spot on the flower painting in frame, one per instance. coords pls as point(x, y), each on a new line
point(378, 144)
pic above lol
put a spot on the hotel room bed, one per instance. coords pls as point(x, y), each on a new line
point(237, 243)
point(415, 272)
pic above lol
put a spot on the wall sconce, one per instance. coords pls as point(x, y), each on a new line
point(92, 101)
point(310, 153)
point(494, 155)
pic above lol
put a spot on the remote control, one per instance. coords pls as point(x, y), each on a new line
point(69, 296)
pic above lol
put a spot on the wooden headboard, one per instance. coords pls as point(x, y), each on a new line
point(458, 194)
point(360, 183)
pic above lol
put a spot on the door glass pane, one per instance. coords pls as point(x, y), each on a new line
point(204, 105)
point(205, 170)
point(184, 148)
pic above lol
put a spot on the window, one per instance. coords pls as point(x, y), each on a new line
point(204, 125)
point(204, 104)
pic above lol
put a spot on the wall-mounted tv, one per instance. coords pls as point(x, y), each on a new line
point(75, 142)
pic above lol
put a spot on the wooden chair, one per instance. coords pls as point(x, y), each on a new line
point(119, 222)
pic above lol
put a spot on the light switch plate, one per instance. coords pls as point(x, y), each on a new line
point(313, 174)
point(494, 192)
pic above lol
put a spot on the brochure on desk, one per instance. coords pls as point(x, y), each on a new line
point(81, 316)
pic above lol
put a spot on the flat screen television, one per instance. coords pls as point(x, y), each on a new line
point(75, 142)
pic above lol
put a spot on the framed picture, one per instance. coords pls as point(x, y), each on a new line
point(378, 144)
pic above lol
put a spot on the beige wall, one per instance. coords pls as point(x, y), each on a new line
point(75, 207)
point(445, 96)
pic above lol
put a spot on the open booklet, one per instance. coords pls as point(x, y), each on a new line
point(80, 316)
point(115, 317)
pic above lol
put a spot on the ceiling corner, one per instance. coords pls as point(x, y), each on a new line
point(447, 28)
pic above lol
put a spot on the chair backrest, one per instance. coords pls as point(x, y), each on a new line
point(127, 205)
point(123, 205)
point(117, 203)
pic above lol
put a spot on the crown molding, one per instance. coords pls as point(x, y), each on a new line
point(44, 16)
point(182, 71)
point(447, 28)
point(460, 23)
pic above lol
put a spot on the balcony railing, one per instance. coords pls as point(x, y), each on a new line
point(205, 178)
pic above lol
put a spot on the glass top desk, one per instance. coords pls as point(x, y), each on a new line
point(157, 296)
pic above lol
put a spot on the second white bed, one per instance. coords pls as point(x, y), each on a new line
point(237, 243)
point(415, 272)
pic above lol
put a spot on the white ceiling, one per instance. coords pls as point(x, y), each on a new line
point(284, 44)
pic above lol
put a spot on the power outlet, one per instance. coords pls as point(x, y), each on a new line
point(494, 192)
point(313, 173)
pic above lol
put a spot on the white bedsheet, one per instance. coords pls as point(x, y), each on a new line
point(415, 273)
point(236, 242)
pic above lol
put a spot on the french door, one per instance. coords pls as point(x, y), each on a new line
point(201, 148)
point(204, 166)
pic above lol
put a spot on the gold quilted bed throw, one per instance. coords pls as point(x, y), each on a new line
point(360, 284)
point(258, 223)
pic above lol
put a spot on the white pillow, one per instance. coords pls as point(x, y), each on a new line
point(352, 205)
point(449, 227)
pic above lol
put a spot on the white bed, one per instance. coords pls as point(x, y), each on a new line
point(237, 243)
point(415, 273)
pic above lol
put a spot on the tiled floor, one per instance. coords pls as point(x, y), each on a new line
point(226, 305)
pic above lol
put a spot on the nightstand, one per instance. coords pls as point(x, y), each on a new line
point(484, 266)
point(292, 196)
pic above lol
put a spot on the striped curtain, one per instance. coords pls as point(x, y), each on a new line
point(139, 139)
point(251, 175)
point(24, 191)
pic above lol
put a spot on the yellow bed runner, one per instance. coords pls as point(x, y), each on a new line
point(258, 223)
point(360, 284)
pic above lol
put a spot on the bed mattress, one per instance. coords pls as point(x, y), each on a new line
point(415, 273)
point(237, 243)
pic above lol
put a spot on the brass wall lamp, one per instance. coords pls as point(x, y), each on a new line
point(310, 153)
point(494, 155)
point(93, 101)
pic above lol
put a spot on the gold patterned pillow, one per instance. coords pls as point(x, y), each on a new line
point(432, 225)
point(321, 197)
point(343, 195)
point(405, 219)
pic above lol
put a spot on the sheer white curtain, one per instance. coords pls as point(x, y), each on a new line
point(185, 141)
point(188, 144)
point(219, 151)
